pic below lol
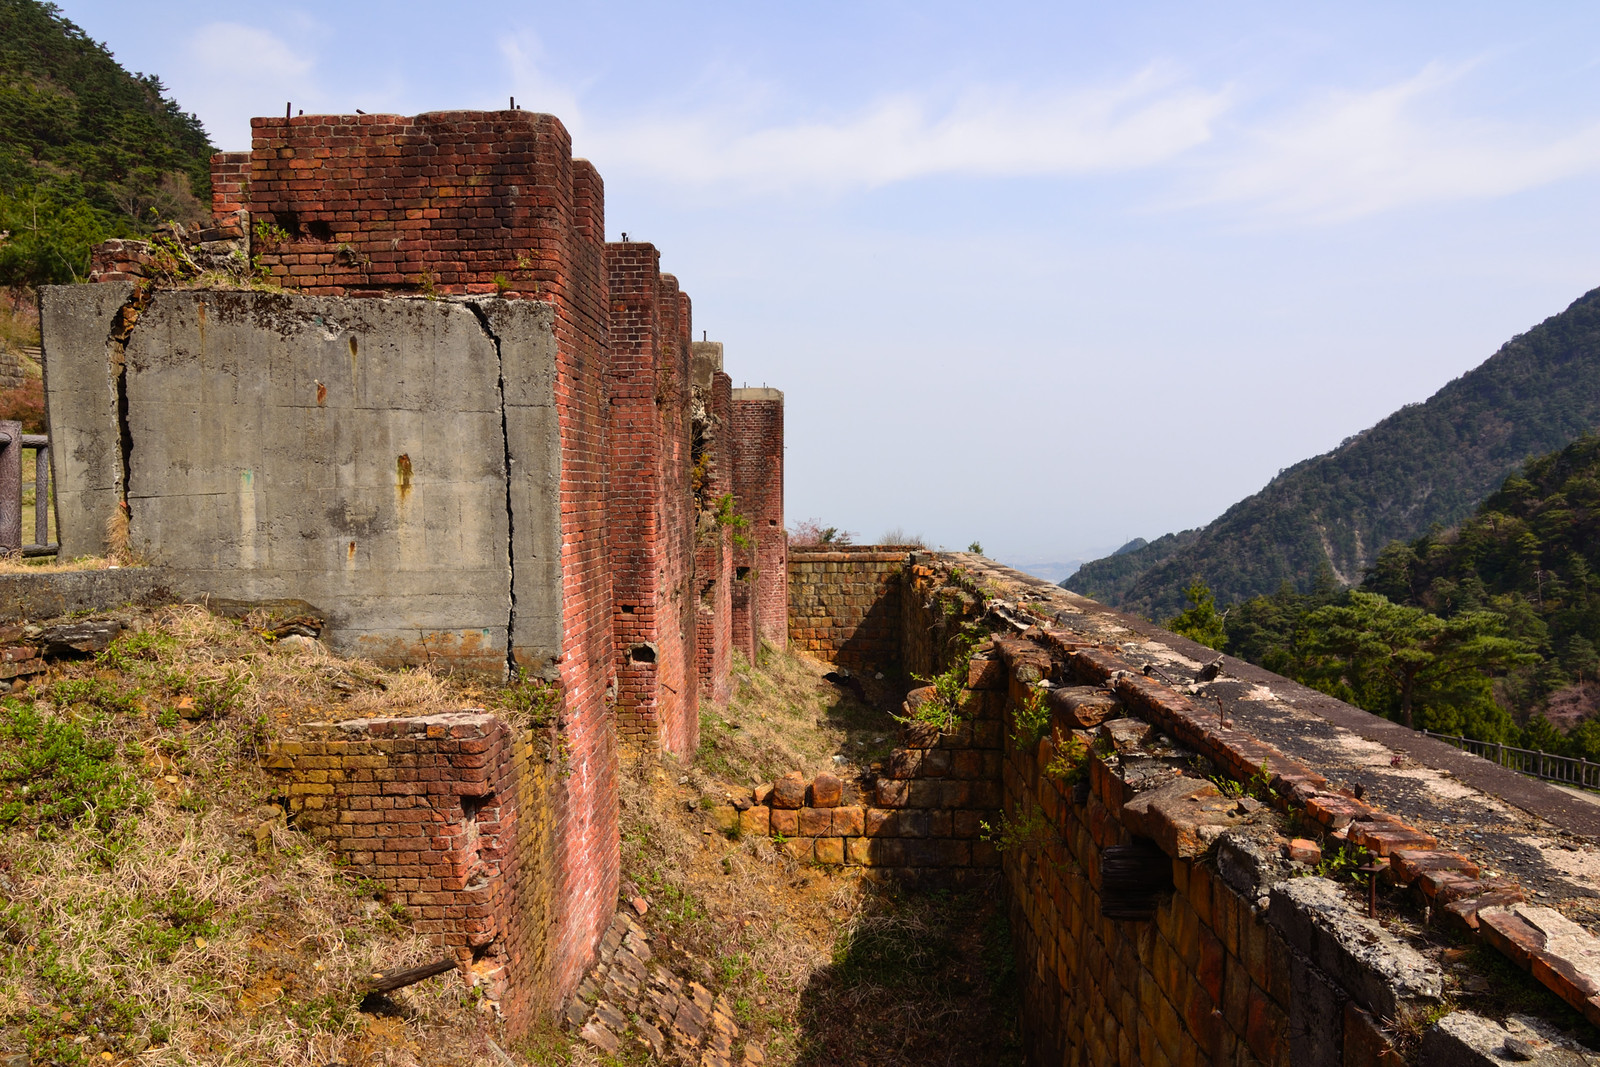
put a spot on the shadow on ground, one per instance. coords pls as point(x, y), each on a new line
point(921, 977)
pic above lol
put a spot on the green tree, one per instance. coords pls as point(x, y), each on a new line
point(1387, 653)
point(1200, 621)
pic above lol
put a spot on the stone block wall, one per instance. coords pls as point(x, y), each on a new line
point(844, 603)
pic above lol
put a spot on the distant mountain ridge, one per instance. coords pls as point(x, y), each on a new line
point(1427, 463)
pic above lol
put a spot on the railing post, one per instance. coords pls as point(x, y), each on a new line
point(41, 495)
point(10, 486)
point(1500, 753)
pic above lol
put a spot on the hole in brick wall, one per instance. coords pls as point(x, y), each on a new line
point(319, 230)
point(772, 522)
point(1135, 878)
point(742, 573)
point(628, 609)
point(470, 806)
point(642, 653)
point(287, 221)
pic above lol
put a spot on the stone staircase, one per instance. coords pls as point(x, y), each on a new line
point(629, 996)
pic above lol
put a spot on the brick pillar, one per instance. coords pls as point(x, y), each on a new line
point(643, 619)
point(758, 486)
point(228, 173)
point(714, 552)
point(681, 716)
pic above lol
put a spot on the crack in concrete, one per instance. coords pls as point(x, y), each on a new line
point(505, 445)
point(122, 327)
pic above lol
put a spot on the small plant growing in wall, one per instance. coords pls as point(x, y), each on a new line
point(1031, 720)
point(1070, 765)
point(727, 515)
point(532, 701)
point(942, 709)
point(1023, 830)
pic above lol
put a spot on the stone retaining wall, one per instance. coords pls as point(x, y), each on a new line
point(844, 603)
point(1163, 898)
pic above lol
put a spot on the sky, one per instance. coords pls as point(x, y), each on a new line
point(1046, 277)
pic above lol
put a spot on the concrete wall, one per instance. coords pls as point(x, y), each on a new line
point(80, 325)
point(352, 454)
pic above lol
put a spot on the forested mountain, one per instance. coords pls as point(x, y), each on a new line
point(87, 150)
point(1426, 464)
point(1497, 620)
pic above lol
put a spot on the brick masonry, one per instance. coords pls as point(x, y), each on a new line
point(456, 206)
point(1159, 919)
point(844, 603)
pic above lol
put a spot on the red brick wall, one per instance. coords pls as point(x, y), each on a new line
point(450, 199)
point(637, 536)
point(475, 202)
point(714, 612)
point(423, 805)
point(715, 555)
point(586, 808)
point(758, 485)
point(229, 171)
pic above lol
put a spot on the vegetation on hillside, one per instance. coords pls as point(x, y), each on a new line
point(1426, 464)
point(1489, 629)
point(155, 905)
point(87, 150)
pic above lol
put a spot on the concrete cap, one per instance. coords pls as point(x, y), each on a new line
point(706, 362)
point(757, 394)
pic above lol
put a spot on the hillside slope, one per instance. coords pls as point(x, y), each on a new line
point(1427, 463)
point(87, 150)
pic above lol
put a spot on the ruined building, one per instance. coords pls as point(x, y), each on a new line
point(465, 430)
point(469, 432)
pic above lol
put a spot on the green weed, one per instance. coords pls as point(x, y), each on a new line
point(53, 773)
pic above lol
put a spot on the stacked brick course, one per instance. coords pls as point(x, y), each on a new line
point(921, 821)
point(844, 603)
point(424, 805)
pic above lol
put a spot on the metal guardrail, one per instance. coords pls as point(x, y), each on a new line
point(1566, 770)
point(12, 443)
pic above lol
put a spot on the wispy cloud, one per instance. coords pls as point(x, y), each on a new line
point(1142, 121)
point(237, 68)
point(1348, 154)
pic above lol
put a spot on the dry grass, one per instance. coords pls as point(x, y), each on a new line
point(823, 965)
point(159, 933)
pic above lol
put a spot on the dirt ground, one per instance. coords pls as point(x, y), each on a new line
point(823, 966)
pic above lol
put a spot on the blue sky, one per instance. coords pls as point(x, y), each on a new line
point(1047, 277)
